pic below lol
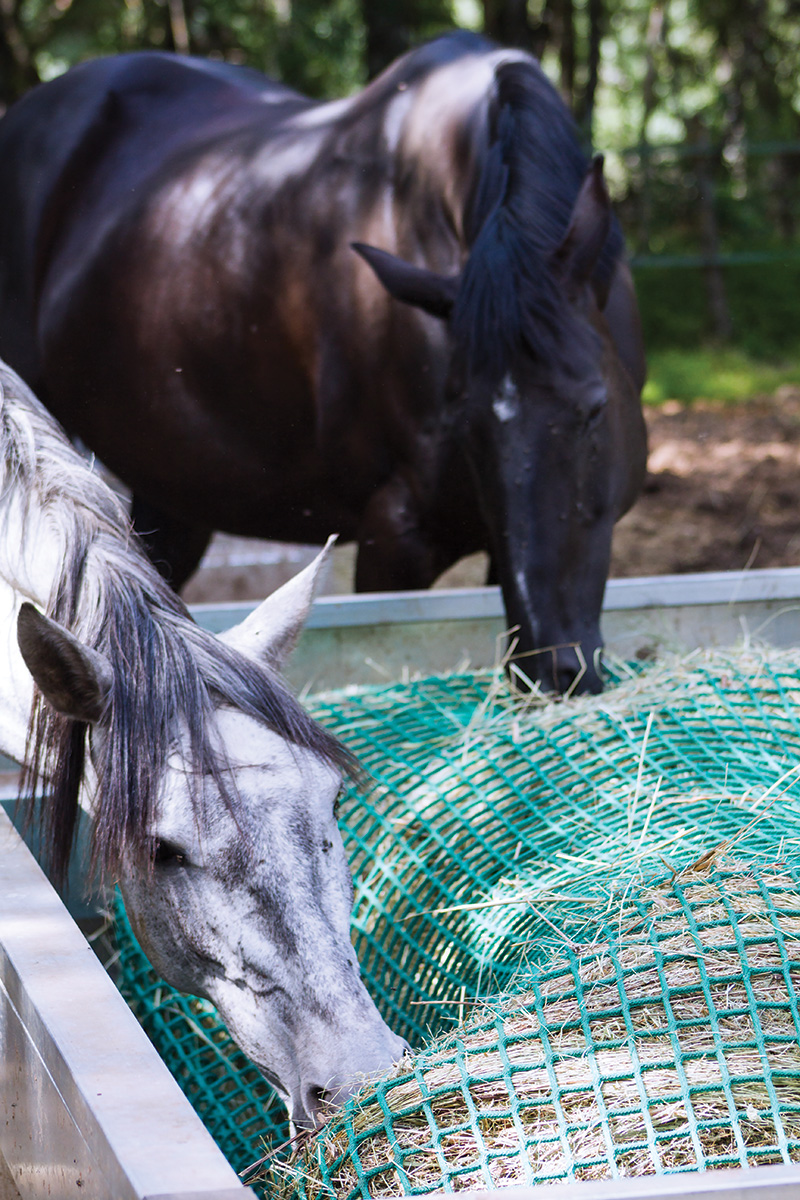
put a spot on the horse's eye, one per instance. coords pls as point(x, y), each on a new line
point(337, 805)
point(594, 405)
point(166, 853)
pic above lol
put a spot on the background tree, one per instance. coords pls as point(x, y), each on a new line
point(394, 26)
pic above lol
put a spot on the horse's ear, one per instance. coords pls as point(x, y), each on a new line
point(589, 227)
point(74, 679)
point(270, 632)
point(433, 293)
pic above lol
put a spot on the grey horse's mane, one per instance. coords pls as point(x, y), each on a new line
point(170, 675)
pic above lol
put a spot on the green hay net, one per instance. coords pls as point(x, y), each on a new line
point(669, 1043)
point(496, 833)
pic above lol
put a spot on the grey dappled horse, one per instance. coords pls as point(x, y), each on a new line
point(213, 794)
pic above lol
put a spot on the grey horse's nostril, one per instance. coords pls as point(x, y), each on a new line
point(317, 1105)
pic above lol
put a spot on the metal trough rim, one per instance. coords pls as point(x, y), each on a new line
point(87, 1108)
point(466, 604)
point(755, 1183)
point(133, 1152)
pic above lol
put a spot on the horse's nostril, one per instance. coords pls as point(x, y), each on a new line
point(317, 1105)
point(577, 679)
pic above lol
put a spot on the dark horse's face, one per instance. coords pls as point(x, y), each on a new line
point(555, 442)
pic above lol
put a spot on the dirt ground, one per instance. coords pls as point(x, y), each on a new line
point(722, 493)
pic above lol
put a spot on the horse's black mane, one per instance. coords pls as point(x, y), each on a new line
point(169, 674)
point(518, 217)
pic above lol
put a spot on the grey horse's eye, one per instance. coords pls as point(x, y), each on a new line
point(337, 804)
point(166, 853)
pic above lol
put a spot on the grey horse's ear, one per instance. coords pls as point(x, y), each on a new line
point(433, 293)
point(269, 634)
point(73, 678)
point(589, 227)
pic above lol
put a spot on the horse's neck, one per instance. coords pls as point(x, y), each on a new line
point(435, 128)
point(31, 554)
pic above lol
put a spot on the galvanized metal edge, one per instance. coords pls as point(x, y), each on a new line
point(756, 1183)
point(468, 604)
point(87, 1108)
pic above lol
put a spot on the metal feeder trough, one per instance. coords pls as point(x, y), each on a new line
point(86, 1106)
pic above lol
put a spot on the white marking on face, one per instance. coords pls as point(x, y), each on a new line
point(505, 405)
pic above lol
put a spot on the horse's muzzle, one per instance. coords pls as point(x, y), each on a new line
point(317, 1103)
point(566, 670)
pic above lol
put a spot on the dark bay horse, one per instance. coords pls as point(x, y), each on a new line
point(402, 316)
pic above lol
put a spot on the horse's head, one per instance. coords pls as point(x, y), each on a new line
point(545, 406)
point(245, 893)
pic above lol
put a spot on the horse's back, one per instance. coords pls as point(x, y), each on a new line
point(84, 145)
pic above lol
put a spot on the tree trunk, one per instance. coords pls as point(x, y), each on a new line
point(394, 26)
point(709, 233)
point(566, 50)
point(179, 27)
point(508, 22)
point(584, 110)
point(17, 67)
point(655, 38)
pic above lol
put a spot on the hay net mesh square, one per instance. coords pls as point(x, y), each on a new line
point(586, 916)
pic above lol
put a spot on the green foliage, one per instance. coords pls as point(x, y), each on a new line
point(322, 51)
point(314, 45)
point(720, 373)
point(764, 301)
point(683, 361)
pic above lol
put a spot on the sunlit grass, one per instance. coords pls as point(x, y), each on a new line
point(715, 374)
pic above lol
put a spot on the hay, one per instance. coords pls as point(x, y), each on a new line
point(668, 1043)
point(497, 829)
point(530, 807)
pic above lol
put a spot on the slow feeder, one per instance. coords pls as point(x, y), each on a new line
point(668, 1043)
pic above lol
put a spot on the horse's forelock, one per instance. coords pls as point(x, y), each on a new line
point(169, 679)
